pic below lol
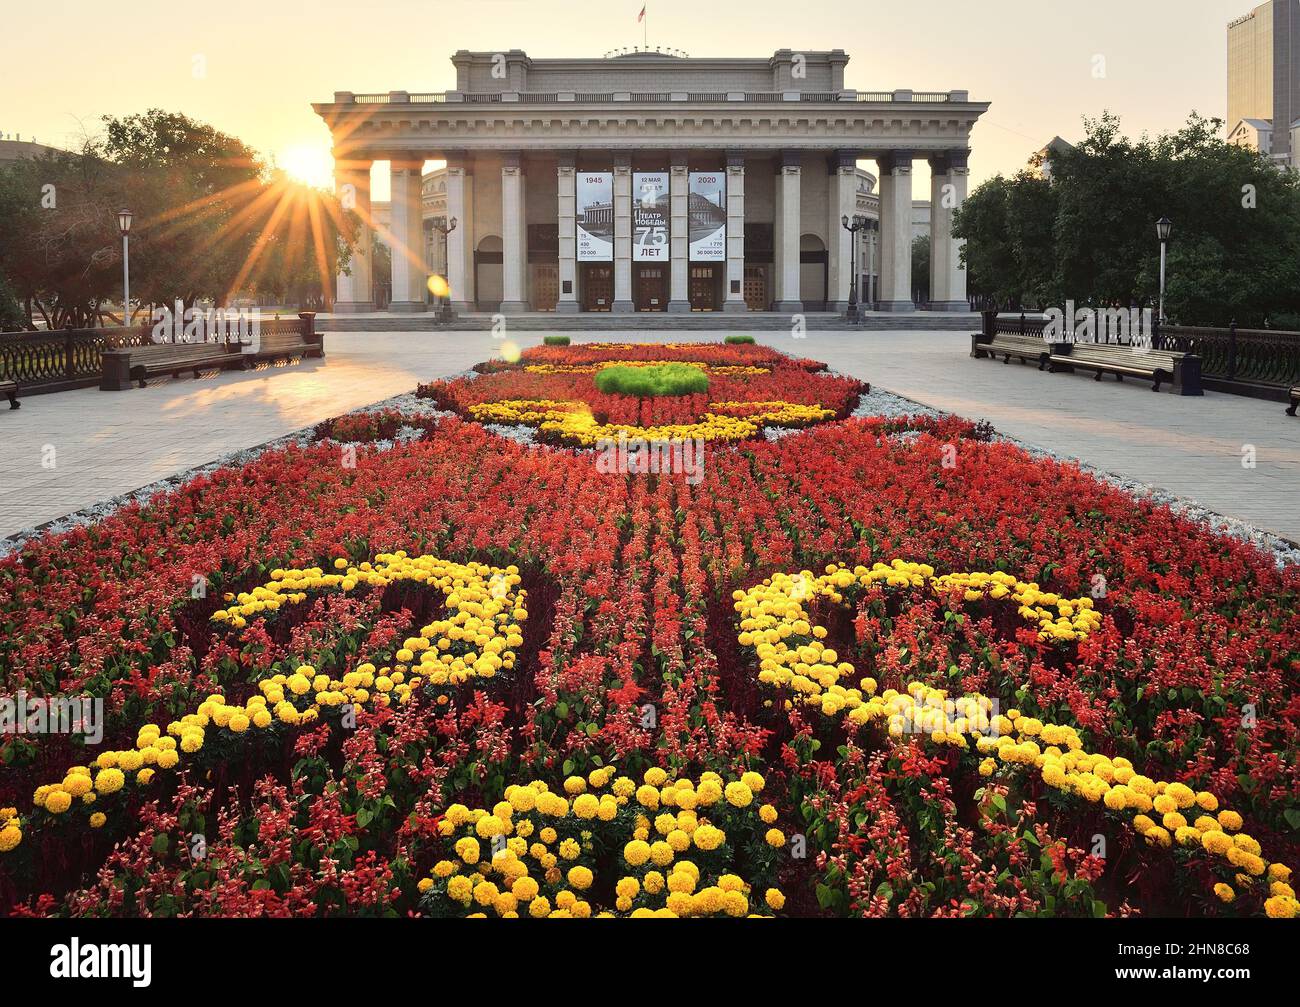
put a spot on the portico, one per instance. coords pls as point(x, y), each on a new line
point(595, 185)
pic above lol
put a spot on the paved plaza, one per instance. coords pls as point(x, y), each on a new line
point(103, 444)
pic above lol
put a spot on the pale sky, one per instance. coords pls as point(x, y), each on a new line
point(252, 67)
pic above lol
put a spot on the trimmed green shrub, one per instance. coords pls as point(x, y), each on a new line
point(555, 340)
point(738, 340)
point(657, 379)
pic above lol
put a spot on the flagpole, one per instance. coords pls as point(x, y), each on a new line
point(645, 28)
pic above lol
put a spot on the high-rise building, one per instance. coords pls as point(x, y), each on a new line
point(1264, 70)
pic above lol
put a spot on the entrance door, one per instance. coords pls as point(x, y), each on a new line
point(489, 273)
point(650, 291)
point(756, 298)
point(546, 286)
point(597, 286)
point(703, 288)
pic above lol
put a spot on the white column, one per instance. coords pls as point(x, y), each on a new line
point(734, 299)
point(352, 185)
point(949, 176)
point(622, 234)
point(842, 201)
point(896, 232)
point(566, 185)
point(679, 234)
point(460, 242)
point(407, 245)
point(789, 168)
point(514, 285)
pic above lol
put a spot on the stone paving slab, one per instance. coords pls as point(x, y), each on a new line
point(109, 443)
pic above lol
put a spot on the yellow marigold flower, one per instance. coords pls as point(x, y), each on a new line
point(754, 781)
point(1230, 820)
point(637, 852)
point(774, 838)
point(10, 837)
point(580, 877)
point(738, 794)
point(1224, 892)
point(424, 885)
point(767, 814)
point(1281, 907)
point(774, 899)
point(109, 781)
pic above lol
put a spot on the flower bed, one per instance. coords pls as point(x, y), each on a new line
point(640, 695)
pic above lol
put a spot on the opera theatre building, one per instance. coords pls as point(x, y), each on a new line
point(652, 182)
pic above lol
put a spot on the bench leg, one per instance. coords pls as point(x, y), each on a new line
point(13, 401)
point(1098, 377)
point(1119, 377)
point(1289, 412)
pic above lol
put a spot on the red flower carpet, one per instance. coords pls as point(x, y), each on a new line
point(854, 666)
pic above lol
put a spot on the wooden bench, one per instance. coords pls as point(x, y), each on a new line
point(139, 363)
point(1179, 370)
point(9, 389)
point(279, 340)
point(1023, 348)
point(278, 343)
point(1294, 393)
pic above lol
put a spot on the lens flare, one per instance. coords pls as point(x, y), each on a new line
point(510, 352)
point(438, 286)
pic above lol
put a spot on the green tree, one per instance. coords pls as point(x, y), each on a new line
point(1088, 234)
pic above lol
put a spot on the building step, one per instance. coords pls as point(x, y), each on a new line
point(550, 322)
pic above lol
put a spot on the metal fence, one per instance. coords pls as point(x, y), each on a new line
point(60, 359)
point(1260, 362)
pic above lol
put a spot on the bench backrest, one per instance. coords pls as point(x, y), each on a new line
point(1124, 354)
point(274, 338)
point(177, 351)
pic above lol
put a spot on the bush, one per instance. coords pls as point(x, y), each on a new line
point(738, 340)
point(657, 379)
point(555, 340)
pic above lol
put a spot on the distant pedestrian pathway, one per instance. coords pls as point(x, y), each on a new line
point(102, 444)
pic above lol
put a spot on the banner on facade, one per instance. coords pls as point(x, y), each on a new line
point(707, 212)
point(650, 216)
point(595, 212)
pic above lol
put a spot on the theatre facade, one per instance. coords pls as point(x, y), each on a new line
point(654, 182)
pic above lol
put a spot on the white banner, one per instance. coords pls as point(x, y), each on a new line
point(595, 210)
point(707, 213)
point(650, 216)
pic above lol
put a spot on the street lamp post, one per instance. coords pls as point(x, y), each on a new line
point(853, 228)
point(445, 228)
point(1164, 227)
point(124, 225)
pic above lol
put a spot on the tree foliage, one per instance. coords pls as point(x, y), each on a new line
point(1088, 233)
point(211, 222)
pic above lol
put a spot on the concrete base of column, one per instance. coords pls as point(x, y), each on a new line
point(464, 307)
point(353, 307)
point(839, 307)
point(735, 307)
point(513, 307)
point(789, 307)
point(961, 307)
point(566, 307)
point(623, 307)
point(895, 307)
point(679, 307)
point(407, 307)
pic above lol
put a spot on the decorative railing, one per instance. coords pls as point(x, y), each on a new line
point(62, 358)
point(643, 97)
point(1249, 356)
